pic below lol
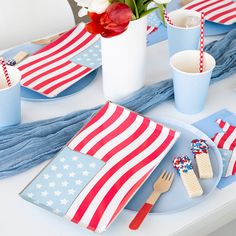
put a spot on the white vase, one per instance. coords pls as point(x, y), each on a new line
point(124, 61)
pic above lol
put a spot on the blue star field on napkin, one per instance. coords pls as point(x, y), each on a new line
point(59, 183)
point(90, 57)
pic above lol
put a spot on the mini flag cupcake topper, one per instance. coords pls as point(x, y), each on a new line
point(6, 75)
point(201, 42)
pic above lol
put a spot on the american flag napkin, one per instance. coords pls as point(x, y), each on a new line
point(218, 11)
point(50, 70)
point(213, 129)
point(226, 142)
point(92, 179)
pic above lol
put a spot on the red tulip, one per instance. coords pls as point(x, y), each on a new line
point(112, 22)
point(119, 13)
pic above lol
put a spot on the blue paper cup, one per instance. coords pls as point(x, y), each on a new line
point(179, 37)
point(191, 86)
point(10, 105)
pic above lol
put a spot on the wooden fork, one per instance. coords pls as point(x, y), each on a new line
point(162, 185)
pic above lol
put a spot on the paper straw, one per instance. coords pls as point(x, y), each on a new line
point(167, 18)
point(201, 42)
point(3, 64)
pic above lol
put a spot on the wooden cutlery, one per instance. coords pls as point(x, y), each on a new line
point(162, 185)
point(47, 40)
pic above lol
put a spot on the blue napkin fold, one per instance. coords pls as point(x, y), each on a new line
point(210, 127)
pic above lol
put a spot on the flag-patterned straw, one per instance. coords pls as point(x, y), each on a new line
point(167, 18)
point(201, 42)
point(3, 64)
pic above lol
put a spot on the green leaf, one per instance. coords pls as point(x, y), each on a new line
point(161, 8)
point(133, 17)
point(133, 7)
point(136, 9)
point(148, 11)
point(145, 5)
point(139, 4)
point(145, 1)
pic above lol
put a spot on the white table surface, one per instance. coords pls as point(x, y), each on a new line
point(19, 217)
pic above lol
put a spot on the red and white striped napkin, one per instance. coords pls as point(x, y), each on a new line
point(218, 11)
point(50, 71)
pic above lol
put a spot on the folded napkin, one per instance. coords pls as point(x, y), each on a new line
point(226, 142)
point(213, 129)
point(26, 145)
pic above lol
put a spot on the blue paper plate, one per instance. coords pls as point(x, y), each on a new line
point(30, 95)
point(177, 198)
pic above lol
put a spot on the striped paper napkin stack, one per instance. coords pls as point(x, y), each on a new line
point(92, 179)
